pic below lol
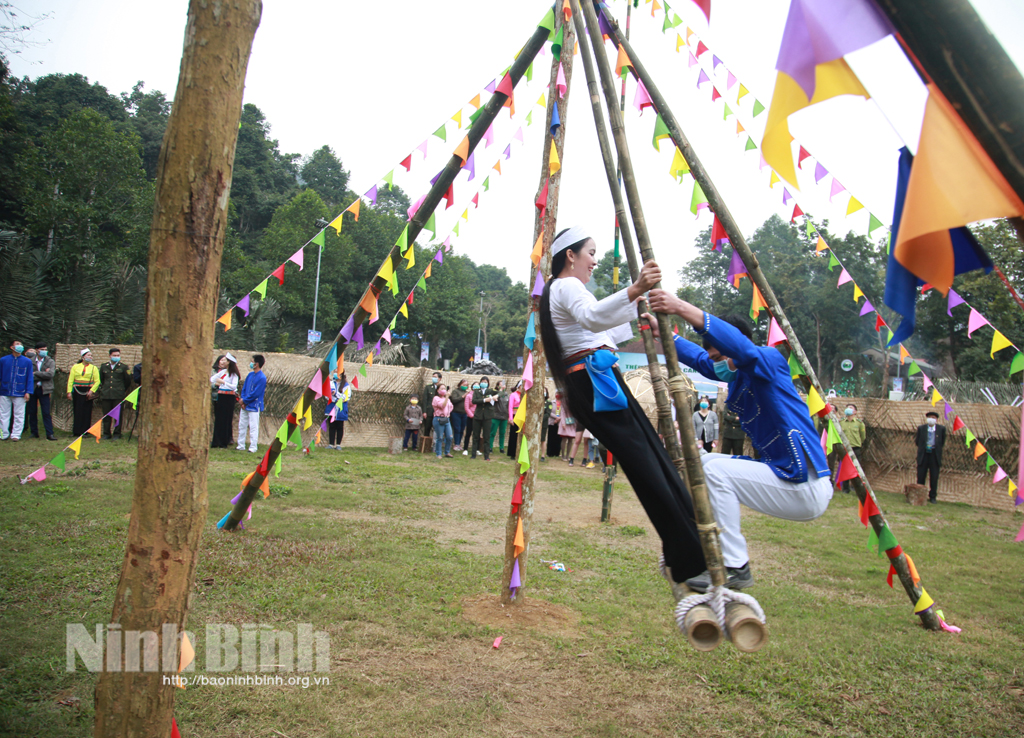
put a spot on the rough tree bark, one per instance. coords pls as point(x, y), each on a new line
point(170, 503)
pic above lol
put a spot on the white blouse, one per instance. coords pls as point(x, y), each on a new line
point(583, 322)
point(230, 381)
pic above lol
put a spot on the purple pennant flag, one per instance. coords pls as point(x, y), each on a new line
point(371, 195)
point(786, 197)
point(519, 133)
point(602, 24)
point(346, 330)
point(376, 349)
point(471, 166)
point(244, 304)
point(490, 86)
point(439, 256)
point(236, 498)
point(693, 61)
point(323, 425)
point(436, 177)
point(116, 415)
point(515, 582)
point(702, 78)
point(358, 336)
point(736, 267)
point(715, 61)
point(488, 136)
point(953, 301)
point(819, 172)
point(949, 410)
point(538, 285)
point(508, 152)
point(868, 307)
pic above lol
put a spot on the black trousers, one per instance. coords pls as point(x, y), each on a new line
point(223, 417)
point(634, 442)
point(335, 432)
point(481, 438)
point(732, 446)
point(512, 445)
point(39, 400)
point(554, 441)
point(82, 414)
point(929, 465)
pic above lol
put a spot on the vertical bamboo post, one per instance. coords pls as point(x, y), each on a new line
point(544, 227)
point(693, 469)
point(377, 284)
point(718, 206)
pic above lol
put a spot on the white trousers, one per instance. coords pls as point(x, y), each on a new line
point(732, 481)
point(248, 420)
point(9, 405)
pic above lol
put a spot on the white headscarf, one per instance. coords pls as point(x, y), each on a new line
point(574, 234)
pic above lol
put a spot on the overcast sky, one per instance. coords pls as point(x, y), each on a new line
point(374, 80)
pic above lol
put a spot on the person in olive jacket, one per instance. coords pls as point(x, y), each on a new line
point(115, 384)
point(458, 416)
point(487, 408)
point(428, 395)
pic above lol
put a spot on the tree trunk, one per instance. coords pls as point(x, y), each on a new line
point(170, 503)
point(817, 345)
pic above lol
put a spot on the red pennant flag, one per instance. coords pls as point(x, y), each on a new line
point(174, 729)
point(892, 573)
point(925, 287)
point(355, 382)
point(866, 511)
point(476, 200)
point(410, 296)
point(847, 470)
point(505, 86)
point(715, 94)
point(879, 323)
point(279, 273)
point(803, 155)
point(292, 419)
point(449, 196)
point(957, 423)
point(796, 212)
point(517, 493)
point(542, 200)
point(325, 389)
point(407, 162)
point(701, 48)
point(264, 468)
point(718, 235)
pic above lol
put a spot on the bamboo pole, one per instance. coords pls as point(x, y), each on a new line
point(545, 228)
point(688, 461)
point(718, 206)
point(430, 202)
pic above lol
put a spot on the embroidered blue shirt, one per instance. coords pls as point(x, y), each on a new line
point(253, 389)
point(771, 411)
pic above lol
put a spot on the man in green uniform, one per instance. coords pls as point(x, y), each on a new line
point(854, 429)
point(115, 384)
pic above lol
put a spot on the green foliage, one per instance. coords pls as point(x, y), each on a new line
point(263, 178)
point(322, 172)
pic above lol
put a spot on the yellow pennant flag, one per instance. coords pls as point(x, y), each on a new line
point(935, 396)
point(774, 178)
point(857, 292)
point(354, 208)
point(465, 214)
point(814, 402)
point(225, 320)
point(411, 256)
point(336, 224)
point(743, 91)
point(403, 310)
point(541, 101)
point(999, 342)
point(458, 118)
point(1012, 488)
point(553, 162)
point(386, 270)
point(854, 206)
point(520, 417)
point(679, 42)
point(679, 167)
point(924, 603)
point(821, 245)
point(299, 405)
point(307, 418)
point(538, 249)
point(76, 446)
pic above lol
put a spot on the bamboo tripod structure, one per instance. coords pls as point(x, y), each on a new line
point(746, 630)
point(718, 206)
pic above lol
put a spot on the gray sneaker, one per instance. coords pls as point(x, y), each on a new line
point(740, 578)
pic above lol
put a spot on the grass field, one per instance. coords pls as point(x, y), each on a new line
point(399, 560)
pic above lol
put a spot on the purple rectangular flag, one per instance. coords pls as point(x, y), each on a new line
point(358, 336)
point(346, 330)
point(538, 285)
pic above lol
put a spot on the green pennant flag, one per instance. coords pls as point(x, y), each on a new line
point(430, 226)
point(277, 465)
point(529, 73)
point(795, 370)
point(455, 230)
point(58, 461)
point(970, 438)
point(556, 44)
point(548, 21)
point(888, 243)
point(442, 133)
point(390, 179)
point(873, 224)
point(133, 398)
point(914, 369)
point(989, 461)
point(394, 283)
point(1017, 364)
point(833, 435)
point(698, 198)
point(475, 114)
point(297, 436)
point(422, 283)
point(886, 541)
point(505, 70)
point(666, 25)
point(282, 434)
point(529, 118)
point(261, 289)
point(524, 455)
point(888, 339)
point(872, 539)
point(758, 107)
point(362, 368)
point(676, 20)
point(832, 260)
point(727, 112)
point(393, 321)
point(487, 184)
point(750, 144)
point(403, 241)
point(318, 239)
point(810, 228)
point(660, 132)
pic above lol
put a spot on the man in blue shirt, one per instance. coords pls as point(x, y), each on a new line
point(791, 480)
point(253, 389)
point(15, 388)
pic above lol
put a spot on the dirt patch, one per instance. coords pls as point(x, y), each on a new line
point(532, 613)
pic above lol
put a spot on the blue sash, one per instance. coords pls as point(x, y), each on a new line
point(608, 395)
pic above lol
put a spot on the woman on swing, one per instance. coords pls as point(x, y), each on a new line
point(579, 334)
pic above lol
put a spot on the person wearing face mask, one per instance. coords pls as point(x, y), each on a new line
point(705, 425)
point(15, 389)
point(854, 429)
point(115, 384)
point(470, 408)
point(42, 380)
point(791, 480)
point(580, 334)
point(83, 383)
point(458, 416)
point(486, 401)
point(428, 395)
point(500, 423)
point(225, 384)
point(337, 410)
point(442, 423)
point(413, 420)
point(931, 437)
point(254, 389)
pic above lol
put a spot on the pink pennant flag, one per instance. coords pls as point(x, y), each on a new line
point(1018, 539)
point(693, 60)
point(560, 84)
point(775, 333)
point(519, 135)
point(448, 243)
point(824, 440)
point(317, 384)
point(868, 307)
point(925, 382)
point(731, 81)
point(39, 475)
point(642, 99)
point(490, 86)
point(414, 208)
point(528, 371)
point(836, 189)
point(538, 285)
point(844, 277)
point(762, 165)
point(1000, 475)
point(423, 148)
point(952, 301)
point(702, 78)
point(244, 304)
point(489, 135)
point(975, 322)
point(297, 258)
point(387, 335)
point(786, 197)
point(820, 173)
point(371, 195)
